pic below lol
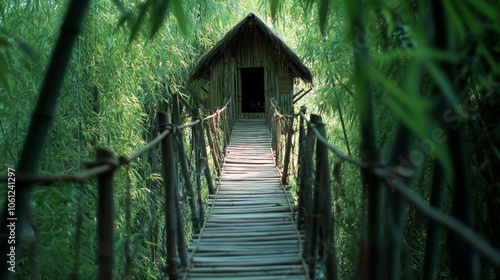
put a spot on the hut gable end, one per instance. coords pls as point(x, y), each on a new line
point(252, 68)
point(254, 36)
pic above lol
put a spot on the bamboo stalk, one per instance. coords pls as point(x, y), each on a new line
point(288, 148)
point(370, 151)
point(227, 133)
point(278, 139)
point(181, 241)
point(308, 182)
point(169, 174)
point(197, 153)
point(213, 128)
point(204, 156)
point(315, 205)
point(433, 233)
point(300, 170)
point(464, 259)
point(327, 244)
point(213, 150)
point(105, 218)
point(176, 118)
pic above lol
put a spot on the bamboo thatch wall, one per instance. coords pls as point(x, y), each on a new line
point(253, 50)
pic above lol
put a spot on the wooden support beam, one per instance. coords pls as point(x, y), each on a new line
point(300, 97)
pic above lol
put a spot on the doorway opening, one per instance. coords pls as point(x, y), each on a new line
point(252, 90)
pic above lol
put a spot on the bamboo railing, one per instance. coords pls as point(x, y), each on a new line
point(106, 165)
point(314, 213)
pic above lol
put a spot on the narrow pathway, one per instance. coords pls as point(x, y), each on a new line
point(250, 232)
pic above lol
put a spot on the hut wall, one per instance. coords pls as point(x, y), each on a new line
point(250, 50)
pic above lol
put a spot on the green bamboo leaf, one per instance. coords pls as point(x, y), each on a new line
point(140, 19)
point(445, 86)
point(415, 124)
point(273, 6)
point(120, 6)
point(469, 19)
point(421, 53)
point(26, 49)
point(483, 50)
point(495, 150)
point(413, 110)
point(323, 8)
point(455, 18)
point(4, 81)
point(125, 18)
point(160, 11)
point(4, 42)
point(390, 22)
point(420, 124)
point(484, 8)
point(180, 15)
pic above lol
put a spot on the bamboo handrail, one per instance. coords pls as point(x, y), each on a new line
point(97, 170)
point(336, 151)
point(390, 174)
point(104, 169)
point(450, 223)
point(218, 111)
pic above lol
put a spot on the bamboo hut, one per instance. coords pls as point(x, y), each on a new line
point(250, 64)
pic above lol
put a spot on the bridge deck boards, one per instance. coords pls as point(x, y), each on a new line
point(249, 233)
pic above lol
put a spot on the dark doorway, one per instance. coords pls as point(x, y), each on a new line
point(252, 90)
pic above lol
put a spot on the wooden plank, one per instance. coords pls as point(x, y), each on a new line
point(250, 232)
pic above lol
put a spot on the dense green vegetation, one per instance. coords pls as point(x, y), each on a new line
point(430, 68)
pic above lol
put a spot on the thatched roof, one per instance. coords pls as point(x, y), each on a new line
point(291, 60)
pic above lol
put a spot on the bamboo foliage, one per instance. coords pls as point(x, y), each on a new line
point(426, 58)
point(30, 159)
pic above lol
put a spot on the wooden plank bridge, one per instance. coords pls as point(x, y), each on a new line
point(250, 232)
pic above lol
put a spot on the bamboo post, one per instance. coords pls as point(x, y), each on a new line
point(278, 139)
point(288, 149)
point(168, 173)
point(308, 184)
point(176, 119)
point(300, 171)
point(204, 158)
point(226, 131)
point(181, 242)
point(213, 150)
point(197, 154)
point(314, 204)
point(217, 125)
point(105, 216)
point(215, 134)
point(324, 187)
